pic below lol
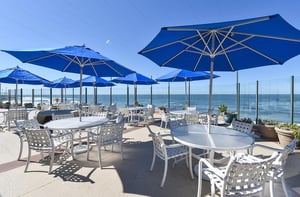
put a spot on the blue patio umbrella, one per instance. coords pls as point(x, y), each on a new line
point(17, 75)
point(63, 82)
point(181, 75)
point(225, 46)
point(75, 59)
point(95, 82)
point(134, 79)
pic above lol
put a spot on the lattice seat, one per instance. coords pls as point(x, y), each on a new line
point(244, 175)
point(166, 152)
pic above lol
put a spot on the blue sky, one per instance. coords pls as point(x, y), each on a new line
point(119, 29)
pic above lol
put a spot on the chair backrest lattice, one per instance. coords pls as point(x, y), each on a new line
point(242, 126)
point(38, 139)
point(177, 123)
point(159, 146)
point(111, 133)
point(61, 116)
point(192, 118)
point(244, 176)
point(17, 114)
point(279, 164)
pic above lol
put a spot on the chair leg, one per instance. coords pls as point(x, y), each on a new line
point(271, 186)
point(21, 148)
point(213, 189)
point(121, 147)
point(161, 122)
point(199, 179)
point(51, 160)
point(165, 173)
point(28, 159)
point(284, 186)
point(99, 156)
point(153, 161)
point(88, 148)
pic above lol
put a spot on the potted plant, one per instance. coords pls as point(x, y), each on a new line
point(286, 132)
point(223, 109)
point(266, 128)
point(163, 108)
point(228, 116)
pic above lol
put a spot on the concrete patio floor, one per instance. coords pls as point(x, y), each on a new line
point(128, 177)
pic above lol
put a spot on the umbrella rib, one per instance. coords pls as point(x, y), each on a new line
point(225, 53)
point(167, 44)
point(120, 74)
point(39, 58)
point(267, 36)
point(201, 52)
point(252, 49)
point(224, 27)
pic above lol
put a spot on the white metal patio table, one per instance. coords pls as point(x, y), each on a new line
point(75, 124)
point(220, 139)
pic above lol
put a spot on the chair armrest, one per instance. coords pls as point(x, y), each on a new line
point(174, 145)
point(209, 167)
point(266, 147)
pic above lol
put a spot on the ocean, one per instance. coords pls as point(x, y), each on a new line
point(270, 106)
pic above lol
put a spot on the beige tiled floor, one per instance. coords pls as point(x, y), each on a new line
point(128, 177)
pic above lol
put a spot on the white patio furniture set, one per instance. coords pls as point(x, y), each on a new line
point(244, 174)
point(59, 134)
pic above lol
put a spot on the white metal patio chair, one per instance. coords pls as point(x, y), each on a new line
point(16, 114)
point(61, 116)
point(192, 118)
point(21, 126)
point(105, 135)
point(42, 140)
point(166, 152)
point(278, 168)
point(243, 175)
point(242, 126)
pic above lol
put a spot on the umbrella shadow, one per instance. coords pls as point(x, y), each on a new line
point(138, 179)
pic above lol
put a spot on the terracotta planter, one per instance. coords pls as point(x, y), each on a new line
point(267, 131)
point(284, 136)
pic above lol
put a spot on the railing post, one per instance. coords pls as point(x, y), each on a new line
point(189, 94)
point(21, 96)
point(32, 96)
point(169, 95)
point(50, 96)
point(41, 96)
point(86, 96)
point(73, 98)
point(256, 115)
point(9, 96)
point(61, 95)
point(292, 99)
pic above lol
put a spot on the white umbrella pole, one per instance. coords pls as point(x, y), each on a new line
point(80, 93)
point(210, 94)
point(185, 92)
point(16, 94)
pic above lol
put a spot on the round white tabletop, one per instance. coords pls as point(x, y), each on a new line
point(75, 123)
point(182, 112)
point(220, 139)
